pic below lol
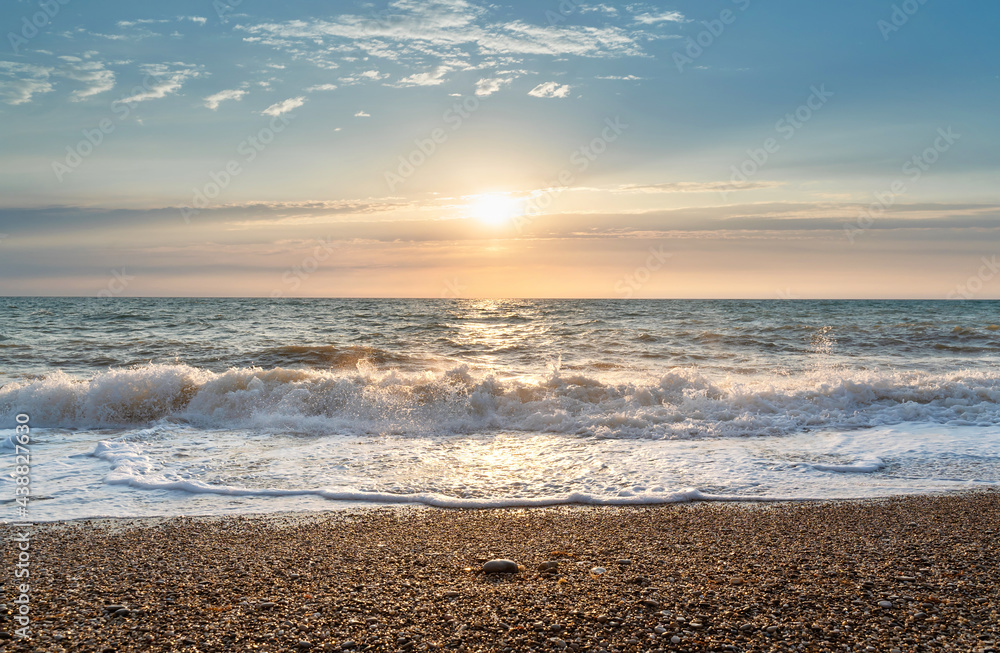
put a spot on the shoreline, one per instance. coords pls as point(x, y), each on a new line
point(908, 573)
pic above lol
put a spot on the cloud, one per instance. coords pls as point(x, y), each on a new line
point(651, 18)
point(450, 31)
point(431, 78)
point(213, 101)
point(550, 90)
point(362, 114)
point(698, 187)
point(284, 106)
point(321, 87)
point(19, 82)
point(201, 20)
point(625, 78)
point(490, 85)
point(368, 75)
point(169, 78)
point(92, 73)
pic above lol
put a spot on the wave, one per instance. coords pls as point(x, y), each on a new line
point(680, 404)
point(323, 356)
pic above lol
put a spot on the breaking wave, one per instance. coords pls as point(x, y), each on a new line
point(364, 400)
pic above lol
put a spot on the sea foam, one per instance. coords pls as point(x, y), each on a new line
point(681, 404)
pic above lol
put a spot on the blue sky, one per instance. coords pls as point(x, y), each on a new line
point(507, 149)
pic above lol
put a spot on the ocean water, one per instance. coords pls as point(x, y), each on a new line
point(215, 406)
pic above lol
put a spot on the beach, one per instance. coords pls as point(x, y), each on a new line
point(907, 574)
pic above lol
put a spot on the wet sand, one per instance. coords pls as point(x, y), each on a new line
point(908, 574)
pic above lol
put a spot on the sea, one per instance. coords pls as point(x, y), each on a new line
point(165, 407)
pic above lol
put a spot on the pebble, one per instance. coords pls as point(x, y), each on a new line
point(597, 571)
point(885, 604)
point(623, 561)
point(557, 642)
point(500, 566)
point(675, 640)
point(549, 566)
point(771, 629)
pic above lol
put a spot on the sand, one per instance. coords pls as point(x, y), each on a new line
point(908, 574)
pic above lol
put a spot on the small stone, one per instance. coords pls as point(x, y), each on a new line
point(746, 627)
point(304, 644)
point(558, 643)
point(500, 566)
point(885, 604)
point(659, 630)
point(548, 567)
point(451, 595)
point(771, 629)
point(675, 640)
point(650, 603)
point(623, 562)
point(348, 645)
point(597, 571)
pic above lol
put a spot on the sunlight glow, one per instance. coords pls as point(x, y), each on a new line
point(494, 208)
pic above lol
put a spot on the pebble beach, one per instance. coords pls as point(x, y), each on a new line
point(905, 574)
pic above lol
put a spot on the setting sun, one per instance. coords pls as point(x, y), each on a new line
point(494, 208)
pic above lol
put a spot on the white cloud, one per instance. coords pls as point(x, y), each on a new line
point(550, 90)
point(284, 106)
point(92, 73)
point(367, 75)
point(430, 78)
point(201, 20)
point(450, 31)
point(627, 78)
point(648, 18)
point(605, 9)
point(213, 101)
point(168, 78)
point(19, 82)
point(490, 85)
point(321, 87)
point(362, 114)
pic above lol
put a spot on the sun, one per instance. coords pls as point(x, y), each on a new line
point(494, 208)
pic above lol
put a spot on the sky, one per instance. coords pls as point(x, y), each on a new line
point(459, 148)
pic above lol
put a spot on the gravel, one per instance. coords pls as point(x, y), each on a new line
point(702, 577)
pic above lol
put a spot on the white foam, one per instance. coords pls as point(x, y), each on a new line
point(860, 467)
point(681, 404)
